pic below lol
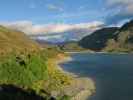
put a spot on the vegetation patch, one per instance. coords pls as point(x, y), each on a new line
point(22, 70)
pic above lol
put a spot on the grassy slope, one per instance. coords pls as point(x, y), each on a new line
point(25, 65)
point(11, 40)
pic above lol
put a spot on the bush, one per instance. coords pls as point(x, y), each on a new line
point(23, 70)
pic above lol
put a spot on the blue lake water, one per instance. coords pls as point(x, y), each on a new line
point(112, 73)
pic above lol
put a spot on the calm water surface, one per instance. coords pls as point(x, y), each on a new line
point(112, 73)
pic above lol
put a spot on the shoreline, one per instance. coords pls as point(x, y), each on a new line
point(122, 53)
point(63, 60)
point(77, 90)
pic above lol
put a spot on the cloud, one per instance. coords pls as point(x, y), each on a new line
point(122, 10)
point(50, 38)
point(30, 28)
point(53, 7)
point(47, 31)
point(119, 2)
point(126, 5)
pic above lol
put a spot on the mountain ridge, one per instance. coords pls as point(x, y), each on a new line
point(97, 40)
point(11, 40)
point(110, 39)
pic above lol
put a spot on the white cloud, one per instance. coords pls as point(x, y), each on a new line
point(53, 7)
point(126, 5)
point(34, 29)
point(120, 10)
point(47, 38)
point(112, 2)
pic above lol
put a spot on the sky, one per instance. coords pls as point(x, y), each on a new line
point(59, 17)
point(52, 11)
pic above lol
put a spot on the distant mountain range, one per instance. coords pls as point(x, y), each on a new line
point(110, 39)
point(66, 36)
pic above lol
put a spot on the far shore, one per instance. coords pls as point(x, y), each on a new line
point(92, 52)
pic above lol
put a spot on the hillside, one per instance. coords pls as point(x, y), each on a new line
point(24, 67)
point(97, 40)
point(123, 41)
point(11, 40)
point(70, 46)
point(30, 72)
point(110, 39)
point(125, 37)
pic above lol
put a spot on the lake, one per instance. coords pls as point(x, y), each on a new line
point(112, 73)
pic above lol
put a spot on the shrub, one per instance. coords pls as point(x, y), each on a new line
point(23, 70)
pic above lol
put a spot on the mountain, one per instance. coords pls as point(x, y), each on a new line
point(125, 37)
point(11, 40)
point(123, 41)
point(65, 36)
point(127, 26)
point(126, 34)
point(97, 40)
point(110, 39)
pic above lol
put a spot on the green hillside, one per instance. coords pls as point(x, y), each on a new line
point(24, 64)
